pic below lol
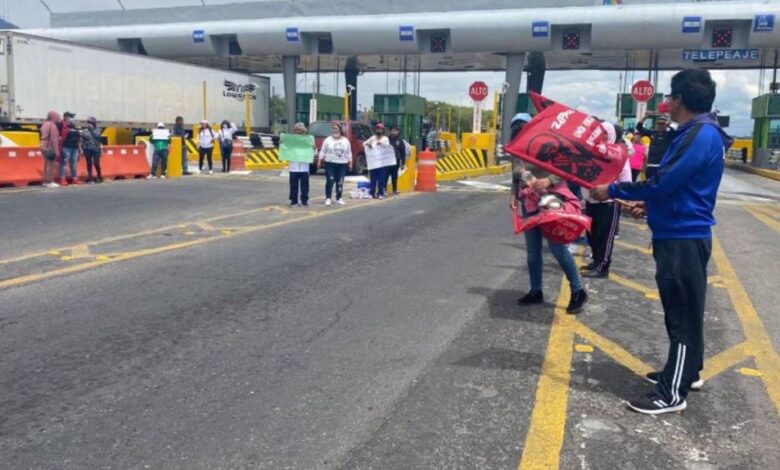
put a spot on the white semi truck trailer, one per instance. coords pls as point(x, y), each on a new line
point(119, 89)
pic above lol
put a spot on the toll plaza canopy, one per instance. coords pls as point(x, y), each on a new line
point(435, 35)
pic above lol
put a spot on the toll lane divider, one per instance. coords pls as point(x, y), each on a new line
point(261, 159)
point(468, 163)
point(766, 173)
point(23, 166)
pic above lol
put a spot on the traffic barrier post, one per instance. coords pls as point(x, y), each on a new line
point(237, 157)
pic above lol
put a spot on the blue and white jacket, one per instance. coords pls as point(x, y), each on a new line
point(680, 198)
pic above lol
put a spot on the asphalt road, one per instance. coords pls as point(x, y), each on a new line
point(380, 335)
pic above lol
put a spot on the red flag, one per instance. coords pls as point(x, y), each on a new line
point(568, 143)
point(557, 226)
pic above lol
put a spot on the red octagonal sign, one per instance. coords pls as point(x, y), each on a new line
point(478, 91)
point(642, 91)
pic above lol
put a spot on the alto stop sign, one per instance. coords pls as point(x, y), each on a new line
point(478, 91)
point(642, 91)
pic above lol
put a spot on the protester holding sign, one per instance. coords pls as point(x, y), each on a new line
point(402, 150)
point(679, 201)
point(297, 149)
point(529, 183)
point(379, 156)
point(336, 153)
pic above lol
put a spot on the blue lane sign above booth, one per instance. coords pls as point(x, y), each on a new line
point(406, 33)
point(763, 23)
point(717, 55)
point(691, 24)
point(293, 35)
point(540, 29)
point(198, 36)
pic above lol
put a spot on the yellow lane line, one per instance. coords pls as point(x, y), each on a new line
point(133, 235)
point(761, 215)
point(613, 350)
point(546, 431)
point(651, 294)
point(642, 249)
point(634, 224)
point(766, 357)
point(725, 360)
point(17, 281)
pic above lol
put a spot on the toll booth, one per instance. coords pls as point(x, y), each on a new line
point(329, 108)
point(406, 112)
point(626, 109)
point(765, 112)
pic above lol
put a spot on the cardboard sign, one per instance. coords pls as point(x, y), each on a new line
point(568, 143)
point(161, 134)
point(296, 148)
point(380, 156)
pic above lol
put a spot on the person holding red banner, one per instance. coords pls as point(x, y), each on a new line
point(679, 201)
point(528, 185)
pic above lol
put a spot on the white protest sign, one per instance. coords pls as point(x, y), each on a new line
point(380, 156)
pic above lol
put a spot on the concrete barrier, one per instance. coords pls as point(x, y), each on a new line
point(771, 174)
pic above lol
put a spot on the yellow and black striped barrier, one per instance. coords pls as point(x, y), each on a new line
point(467, 163)
point(471, 159)
point(261, 159)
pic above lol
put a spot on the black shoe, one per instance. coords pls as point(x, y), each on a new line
point(588, 267)
point(578, 299)
point(652, 377)
point(533, 297)
point(305, 204)
point(596, 274)
point(652, 404)
point(293, 204)
point(186, 173)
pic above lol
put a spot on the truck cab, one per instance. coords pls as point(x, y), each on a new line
point(356, 132)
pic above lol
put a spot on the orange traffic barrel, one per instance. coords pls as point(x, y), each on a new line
point(237, 157)
point(426, 172)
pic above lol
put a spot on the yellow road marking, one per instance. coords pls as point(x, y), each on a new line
point(613, 350)
point(17, 281)
point(725, 360)
point(766, 358)
point(544, 440)
point(631, 246)
point(583, 348)
point(650, 294)
point(80, 251)
point(635, 225)
point(750, 372)
point(761, 215)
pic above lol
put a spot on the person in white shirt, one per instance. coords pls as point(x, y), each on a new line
point(299, 175)
point(226, 132)
point(377, 175)
point(336, 154)
point(206, 137)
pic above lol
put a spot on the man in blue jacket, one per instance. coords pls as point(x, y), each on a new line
point(679, 202)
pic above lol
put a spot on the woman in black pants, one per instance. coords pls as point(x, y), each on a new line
point(226, 132)
point(206, 138)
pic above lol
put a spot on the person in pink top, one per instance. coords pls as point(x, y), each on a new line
point(50, 147)
point(637, 160)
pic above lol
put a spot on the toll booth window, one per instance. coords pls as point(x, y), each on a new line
point(438, 44)
point(571, 40)
point(721, 37)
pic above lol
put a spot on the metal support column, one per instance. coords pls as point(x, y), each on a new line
point(289, 69)
point(351, 72)
point(536, 68)
point(514, 76)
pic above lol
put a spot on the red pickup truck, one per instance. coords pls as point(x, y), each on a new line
point(356, 132)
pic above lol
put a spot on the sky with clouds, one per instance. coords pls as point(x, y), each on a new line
point(593, 91)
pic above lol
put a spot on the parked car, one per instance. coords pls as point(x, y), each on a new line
point(356, 132)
